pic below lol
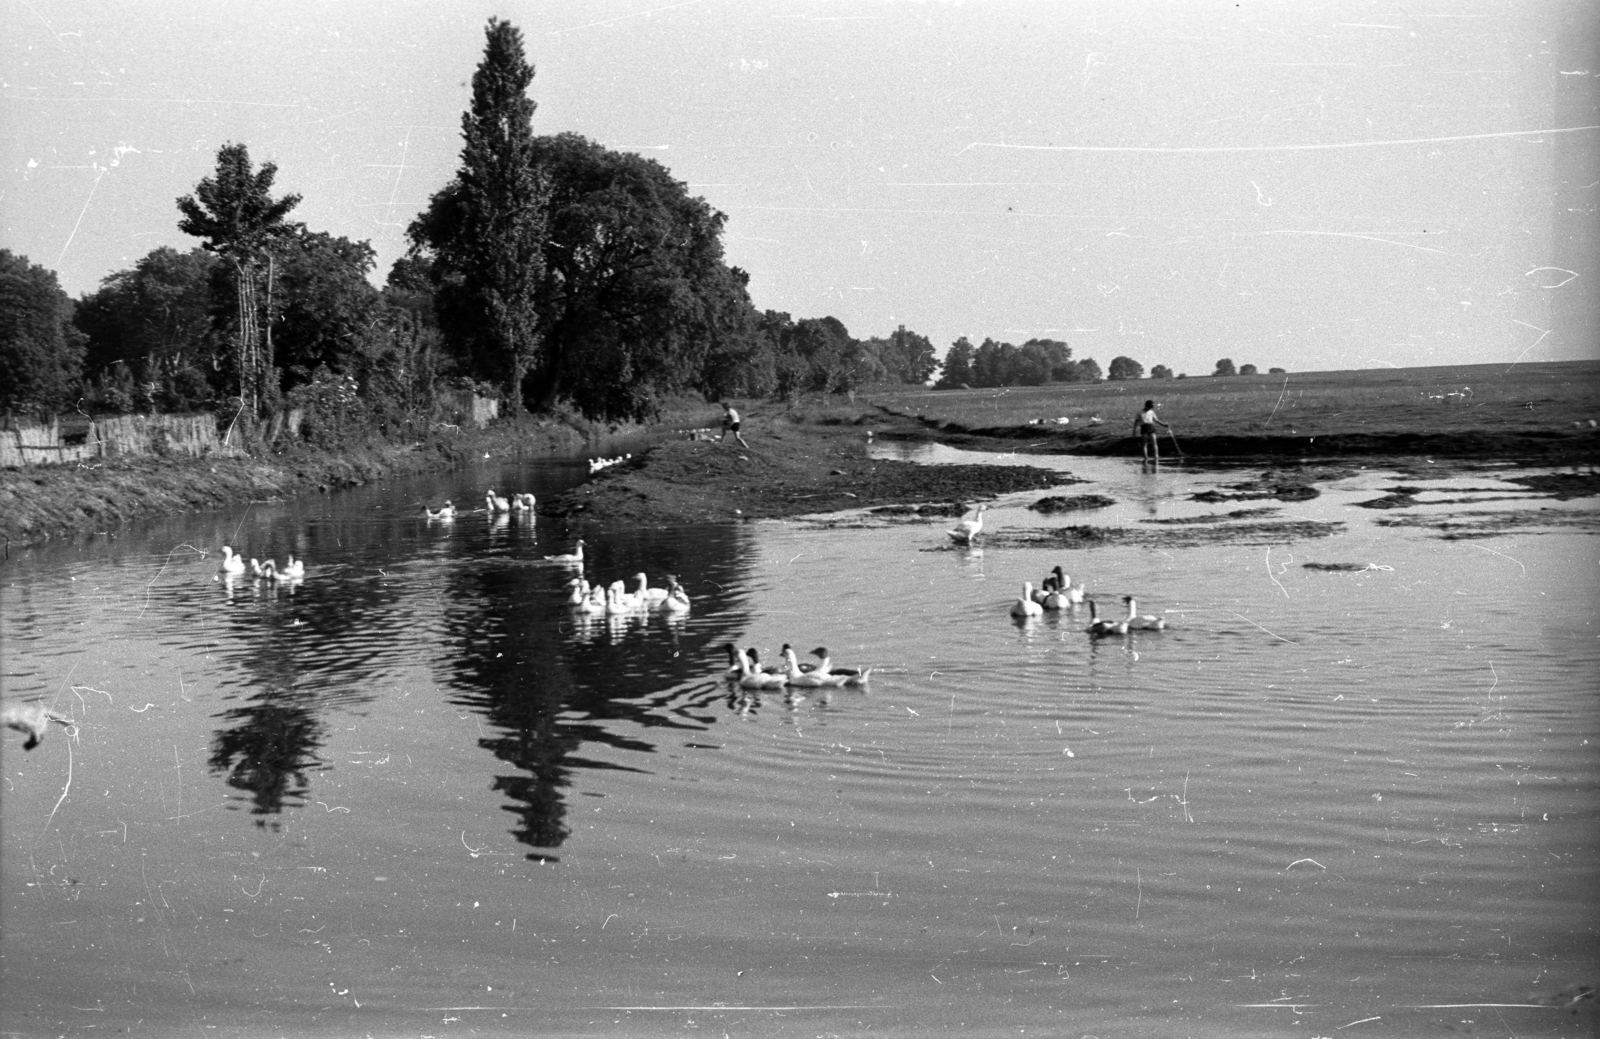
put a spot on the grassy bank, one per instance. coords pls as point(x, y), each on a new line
point(42, 502)
point(1530, 411)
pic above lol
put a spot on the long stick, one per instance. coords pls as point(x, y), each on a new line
point(1175, 446)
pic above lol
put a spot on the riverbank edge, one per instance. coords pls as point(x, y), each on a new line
point(43, 503)
point(799, 463)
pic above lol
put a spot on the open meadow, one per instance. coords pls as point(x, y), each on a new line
point(1546, 399)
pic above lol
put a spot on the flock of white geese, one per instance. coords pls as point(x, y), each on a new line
point(233, 565)
point(1057, 592)
point(748, 672)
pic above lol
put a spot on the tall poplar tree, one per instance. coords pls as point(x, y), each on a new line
point(239, 220)
point(486, 229)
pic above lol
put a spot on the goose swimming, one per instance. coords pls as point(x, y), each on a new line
point(750, 679)
point(851, 675)
point(575, 556)
point(971, 525)
point(495, 502)
point(796, 675)
point(231, 564)
point(646, 595)
point(1025, 606)
point(1146, 622)
point(677, 600)
point(293, 570)
point(445, 513)
point(1101, 628)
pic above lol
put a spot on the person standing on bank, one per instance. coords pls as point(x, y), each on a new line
point(1144, 427)
point(730, 424)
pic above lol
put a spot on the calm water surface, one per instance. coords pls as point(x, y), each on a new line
point(414, 795)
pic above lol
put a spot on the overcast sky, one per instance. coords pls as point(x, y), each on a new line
point(1314, 184)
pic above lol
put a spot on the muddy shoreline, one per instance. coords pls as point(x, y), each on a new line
point(798, 463)
point(797, 467)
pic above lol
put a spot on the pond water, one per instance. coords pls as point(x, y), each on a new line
point(415, 795)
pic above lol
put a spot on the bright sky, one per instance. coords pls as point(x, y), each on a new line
point(1316, 185)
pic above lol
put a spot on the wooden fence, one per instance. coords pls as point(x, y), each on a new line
point(23, 444)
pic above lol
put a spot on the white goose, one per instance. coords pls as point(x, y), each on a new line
point(971, 525)
point(1025, 606)
point(522, 502)
point(594, 604)
point(735, 666)
point(851, 675)
point(1063, 592)
point(496, 503)
point(1146, 622)
point(749, 679)
point(796, 675)
point(577, 591)
point(575, 556)
point(618, 601)
point(1101, 628)
point(293, 570)
point(754, 657)
point(445, 514)
point(231, 564)
point(677, 600)
point(646, 595)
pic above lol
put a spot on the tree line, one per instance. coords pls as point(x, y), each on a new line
point(549, 272)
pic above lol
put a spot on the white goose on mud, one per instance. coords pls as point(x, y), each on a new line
point(971, 525)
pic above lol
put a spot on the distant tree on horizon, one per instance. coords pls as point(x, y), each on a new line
point(1087, 371)
point(1277, 371)
point(956, 369)
point(1247, 369)
point(1160, 371)
point(1225, 367)
point(1124, 368)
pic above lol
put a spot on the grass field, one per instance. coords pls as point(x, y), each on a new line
point(1491, 399)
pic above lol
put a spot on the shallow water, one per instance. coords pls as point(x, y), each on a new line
point(414, 795)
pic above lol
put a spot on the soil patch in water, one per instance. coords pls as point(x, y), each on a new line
point(1050, 506)
point(1271, 533)
point(792, 468)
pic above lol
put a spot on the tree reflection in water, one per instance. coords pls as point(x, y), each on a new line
point(550, 681)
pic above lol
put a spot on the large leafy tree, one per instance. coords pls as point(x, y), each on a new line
point(155, 320)
point(41, 352)
point(1225, 367)
point(237, 218)
point(329, 313)
point(636, 297)
point(486, 229)
point(1160, 371)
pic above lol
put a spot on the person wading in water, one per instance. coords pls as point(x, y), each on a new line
point(1144, 427)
